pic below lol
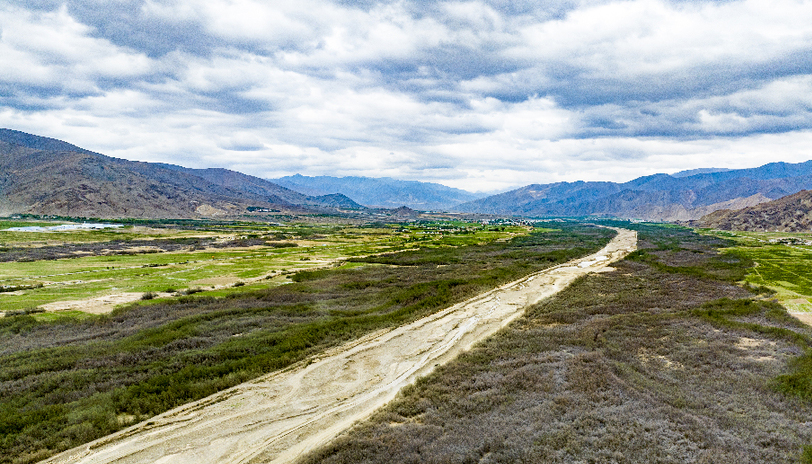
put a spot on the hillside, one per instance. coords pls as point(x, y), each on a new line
point(39, 175)
point(656, 197)
point(266, 189)
point(382, 192)
point(792, 213)
point(691, 172)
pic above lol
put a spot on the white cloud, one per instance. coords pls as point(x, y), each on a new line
point(258, 22)
point(650, 37)
point(53, 49)
point(465, 93)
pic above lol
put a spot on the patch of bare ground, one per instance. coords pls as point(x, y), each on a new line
point(279, 417)
point(97, 305)
point(105, 304)
point(806, 318)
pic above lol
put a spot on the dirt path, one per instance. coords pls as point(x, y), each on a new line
point(283, 415)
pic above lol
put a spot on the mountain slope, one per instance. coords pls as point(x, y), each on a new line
point(384, 192)
point(39, 175)
point(656, 197)
point(691, 172)
point(38, 142)
point(266, 189)
point(792, 213)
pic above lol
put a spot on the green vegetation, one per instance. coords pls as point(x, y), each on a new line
point(67, 381)
point(39, 268)
point(782, 264)
point(664, 360)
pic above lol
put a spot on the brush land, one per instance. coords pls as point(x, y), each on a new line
point(665, 360)
point(278, 417)
point(68, 377)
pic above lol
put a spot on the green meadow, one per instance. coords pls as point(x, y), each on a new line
point(131, 259)
point(782, 263)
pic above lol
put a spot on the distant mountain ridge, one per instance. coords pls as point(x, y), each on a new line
point(40, 175)
point(691, 172)
point(792, 213)
point(659, 197)
point(381, 192)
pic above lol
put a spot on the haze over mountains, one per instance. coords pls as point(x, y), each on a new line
point(40, 175)
point(659, 197)
point(382, 192)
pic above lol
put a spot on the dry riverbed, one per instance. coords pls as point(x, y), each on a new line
point(280, 416)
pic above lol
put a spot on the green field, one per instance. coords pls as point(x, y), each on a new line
point(783, 262)
point(201, 265)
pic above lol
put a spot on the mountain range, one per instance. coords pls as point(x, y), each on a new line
point(792, 213)
point(40, 175)
point(382, 192)
point(659, 197)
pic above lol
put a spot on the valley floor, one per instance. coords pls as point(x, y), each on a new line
point(281, 416)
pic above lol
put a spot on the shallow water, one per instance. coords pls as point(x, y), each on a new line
point(86, 226)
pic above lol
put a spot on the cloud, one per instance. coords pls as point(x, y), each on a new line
point(242, 142)
point(480, 94)
point(52, 49)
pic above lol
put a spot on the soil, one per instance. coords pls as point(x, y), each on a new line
point(279, 417)
point(806, 318)
point(98, 305)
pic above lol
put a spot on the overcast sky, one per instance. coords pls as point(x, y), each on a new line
point(479, 95)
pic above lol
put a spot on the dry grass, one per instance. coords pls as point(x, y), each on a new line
point(652, 363)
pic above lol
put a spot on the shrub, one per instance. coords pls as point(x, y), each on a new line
point(22, 312)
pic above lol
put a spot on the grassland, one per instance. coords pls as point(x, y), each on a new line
point(41, 268)
point(782, 263)
point(665, 360)
point(68, 381)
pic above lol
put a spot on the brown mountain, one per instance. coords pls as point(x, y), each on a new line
point(39, 175)
point(792, 213)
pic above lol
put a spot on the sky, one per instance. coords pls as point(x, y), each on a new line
point(480, 95)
